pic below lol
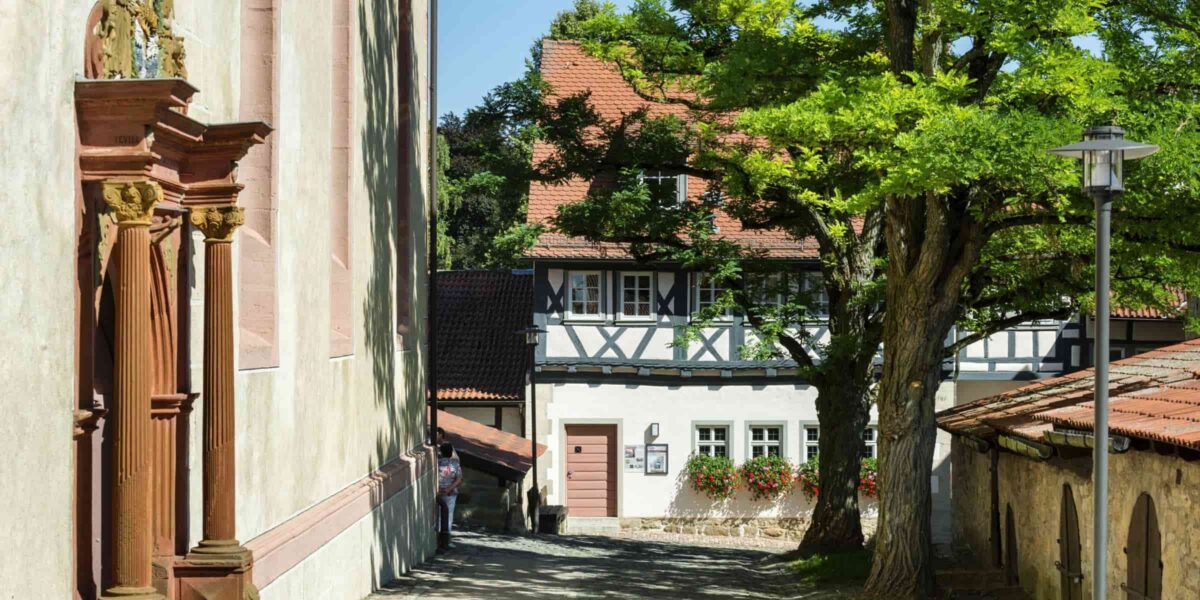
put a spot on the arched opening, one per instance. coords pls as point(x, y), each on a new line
point(1143, 553)
point(1010, 547)
point(1070, 562)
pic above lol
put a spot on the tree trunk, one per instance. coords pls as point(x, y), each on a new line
point(903, 550)
point(843, 410)
point(930, 251)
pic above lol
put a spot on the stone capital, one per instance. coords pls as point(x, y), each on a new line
point(217, 222)
point(132, 202)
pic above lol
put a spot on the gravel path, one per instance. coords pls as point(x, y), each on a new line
point(494, 566)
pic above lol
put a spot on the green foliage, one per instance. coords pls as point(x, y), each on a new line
point(713, 476)
point(848, 567)
point(808, 129)
point(490, 152)
point(767, 477)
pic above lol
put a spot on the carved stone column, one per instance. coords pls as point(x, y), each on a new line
point(133, 204)
point(219, 550)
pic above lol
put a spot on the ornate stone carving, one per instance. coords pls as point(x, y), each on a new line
point(132, 202)
point(218, 223)
point(133, 39)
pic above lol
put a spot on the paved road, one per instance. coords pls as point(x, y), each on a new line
point(491, 566)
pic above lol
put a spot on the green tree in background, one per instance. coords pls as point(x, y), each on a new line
point(907, 139)
point(488, 165)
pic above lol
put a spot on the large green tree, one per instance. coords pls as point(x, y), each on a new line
point(908, 140)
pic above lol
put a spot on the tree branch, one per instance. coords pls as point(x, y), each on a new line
point(1005, 323)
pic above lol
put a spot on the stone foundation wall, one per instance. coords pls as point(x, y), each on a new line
point(784, 528)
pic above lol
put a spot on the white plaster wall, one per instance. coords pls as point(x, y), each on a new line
point(313, 425)
point(379, 547)
point(42, 48)
point(632, 408)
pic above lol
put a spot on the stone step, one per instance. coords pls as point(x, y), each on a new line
point(592, 525)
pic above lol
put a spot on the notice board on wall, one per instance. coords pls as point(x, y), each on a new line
point(635, 458)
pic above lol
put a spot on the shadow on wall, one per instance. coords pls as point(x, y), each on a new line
point(401, 531)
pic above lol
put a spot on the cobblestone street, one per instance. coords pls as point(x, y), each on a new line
point(498, 566)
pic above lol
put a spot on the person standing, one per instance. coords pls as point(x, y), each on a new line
point(449, 478)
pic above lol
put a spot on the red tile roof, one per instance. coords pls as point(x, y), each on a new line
point(480, 356)
point(1179, 306)
point(1154, 396)
point(485, 446)
point(570, 70)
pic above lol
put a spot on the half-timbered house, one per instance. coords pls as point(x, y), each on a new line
point(613, 386)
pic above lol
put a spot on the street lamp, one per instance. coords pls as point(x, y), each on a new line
point(1103, 152)
point(532, 338)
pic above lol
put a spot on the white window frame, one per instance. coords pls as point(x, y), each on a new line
point(808, 281)
point(807, 444)
point(751, 442)
point(570, 296)
point(871, 447)
point(727, 443)
point(658, 176)
point(621, 314)
point(697, 286)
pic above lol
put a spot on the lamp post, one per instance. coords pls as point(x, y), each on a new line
point(532, 338)
point(1103, 152)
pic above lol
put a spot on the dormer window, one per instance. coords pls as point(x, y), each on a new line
point(586, 295)
point(665, 184)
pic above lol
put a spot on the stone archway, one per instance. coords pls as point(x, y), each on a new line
point(1070, 549)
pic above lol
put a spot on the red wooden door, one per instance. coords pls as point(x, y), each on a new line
point(591, 470)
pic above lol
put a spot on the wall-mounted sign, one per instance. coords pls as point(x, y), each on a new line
point(656, 459)
point(635, 458)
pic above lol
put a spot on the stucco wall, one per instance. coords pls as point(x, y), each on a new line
point(43, 49)
point(677, 409)
point(1034, 490)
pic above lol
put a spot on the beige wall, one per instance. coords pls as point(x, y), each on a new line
point(306, 429)
point(1034, 490)
point(43, 49)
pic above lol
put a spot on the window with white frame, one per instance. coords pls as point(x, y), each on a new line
point(813, 288)
point(637, 296)
point(869, 442)
point(767, 290)
point(812, 441)
point(586, 299)
point(708, 292)
point(666, 184)
point(766, 440)
point(712, 440)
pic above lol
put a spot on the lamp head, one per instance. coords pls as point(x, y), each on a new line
point(1103, 151)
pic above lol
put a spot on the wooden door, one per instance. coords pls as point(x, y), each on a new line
point(591, 470)
point(1069, 549)
point(1011, 562)
point(1143, 553)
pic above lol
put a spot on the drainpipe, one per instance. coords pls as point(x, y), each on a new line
point(431, 319)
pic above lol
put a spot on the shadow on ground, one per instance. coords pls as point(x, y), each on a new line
point(498, 566)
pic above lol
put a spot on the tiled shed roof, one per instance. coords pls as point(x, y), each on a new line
point(479, 354)
point(1179, 306)
point(487, 448)
point(570, 70)
point(1153, 396)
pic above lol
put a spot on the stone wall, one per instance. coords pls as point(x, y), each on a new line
point(1034, 490)
point(788, 529)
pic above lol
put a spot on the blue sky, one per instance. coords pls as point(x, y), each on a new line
point(483, 43)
